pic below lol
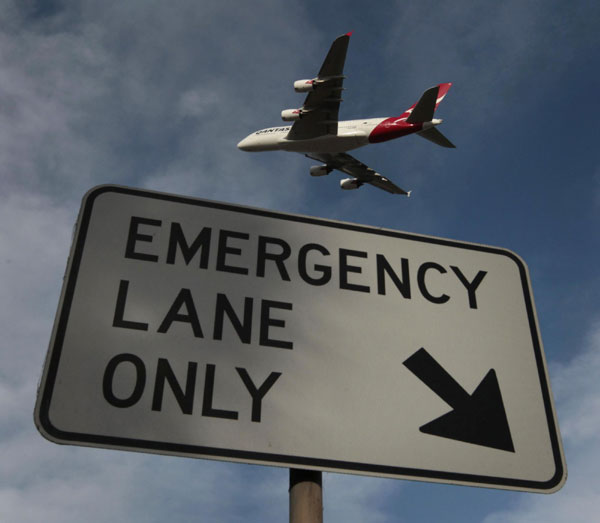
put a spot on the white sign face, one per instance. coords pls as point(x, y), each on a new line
point(209, 330)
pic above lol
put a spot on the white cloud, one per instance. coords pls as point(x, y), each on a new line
point(125, 93)
point(577, 392)
point(35, 235)
point(57, 484)
point(354, 499)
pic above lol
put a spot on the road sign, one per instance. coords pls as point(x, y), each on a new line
point(204, 329)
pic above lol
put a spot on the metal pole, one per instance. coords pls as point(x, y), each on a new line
point(306, 496)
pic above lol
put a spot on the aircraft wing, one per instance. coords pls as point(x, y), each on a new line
point(321, 107)
point(350, 165)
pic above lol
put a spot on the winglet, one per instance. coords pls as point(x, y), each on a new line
point(408, 193)
point(350, 33)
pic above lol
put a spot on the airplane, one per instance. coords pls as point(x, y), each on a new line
point(319, 134)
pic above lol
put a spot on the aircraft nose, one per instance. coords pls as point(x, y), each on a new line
point(245, 144)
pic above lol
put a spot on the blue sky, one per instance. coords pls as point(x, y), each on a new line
point(156, 95)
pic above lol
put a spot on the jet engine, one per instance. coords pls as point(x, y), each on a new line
point(320, 170)
point(304, 86)
point(349, 184)
point(291, 115)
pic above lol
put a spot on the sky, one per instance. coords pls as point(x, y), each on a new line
point(157, 94)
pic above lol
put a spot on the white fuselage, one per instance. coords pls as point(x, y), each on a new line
point(351, 135)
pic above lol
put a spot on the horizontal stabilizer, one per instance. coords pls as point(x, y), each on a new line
point(435, 136)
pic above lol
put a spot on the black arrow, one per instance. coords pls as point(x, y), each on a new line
point(477, 418)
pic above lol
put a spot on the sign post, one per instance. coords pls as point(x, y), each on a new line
point(204, 329)
point(306, 496)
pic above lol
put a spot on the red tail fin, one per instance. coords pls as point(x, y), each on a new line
point(443, 90)
point(422, 111)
